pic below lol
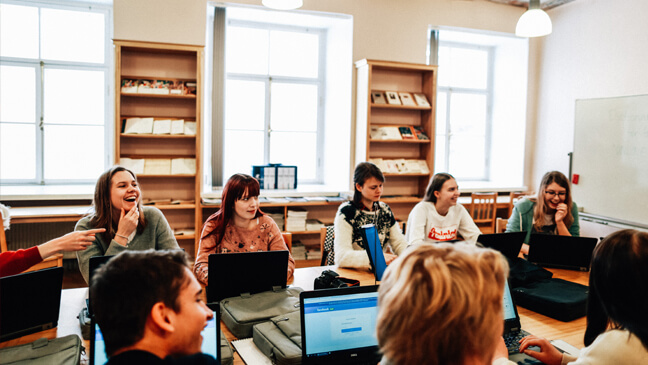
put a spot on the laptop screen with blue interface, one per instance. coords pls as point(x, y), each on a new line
point(337, 323)
point(509, 307)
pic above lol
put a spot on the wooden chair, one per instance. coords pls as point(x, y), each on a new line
point(52, 261)
point(287, 237)
point(327, 234)
point(500, 225)
point(483, 211)
point(515, 197)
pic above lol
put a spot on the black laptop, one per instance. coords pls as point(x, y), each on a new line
point(338, 326)
point(565, 252)
point(513, 331)
point(509, 243)
point(30, 302)
point(233, 274)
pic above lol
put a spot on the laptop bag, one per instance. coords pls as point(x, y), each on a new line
point(226, 353)
point(523, 272)
point(61, 351)
point(556, 298)
point(280, 338)
point(242, 312)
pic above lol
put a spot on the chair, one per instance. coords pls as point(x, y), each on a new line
point(327, 234)
point(515, 197)
point(287, 237)
point(483, 210)
point(500, 225)
point(52, 261)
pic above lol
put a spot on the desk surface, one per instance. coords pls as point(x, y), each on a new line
point(73, 300)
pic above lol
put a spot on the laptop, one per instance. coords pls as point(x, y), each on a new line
point(513, 332)
point(509, 243)
point(565, 252)
point(94, 263)
point(339, 326)
point(30, 302)
point(210, 344)
point(232, 274)
point(374, 250)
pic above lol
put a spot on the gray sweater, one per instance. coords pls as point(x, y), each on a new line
point(157, 235)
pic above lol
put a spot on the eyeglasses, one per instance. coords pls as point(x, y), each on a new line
point(552, 193)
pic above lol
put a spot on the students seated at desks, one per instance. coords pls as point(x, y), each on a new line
point(118, 208)
point(239, 226)
point(442, 304)
point(438, 217)
point(15, 262)
point(617, 321)
point(365, 208)
point(551, 212)
point(149, 308)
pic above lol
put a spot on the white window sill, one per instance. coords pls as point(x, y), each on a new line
point(47, 192)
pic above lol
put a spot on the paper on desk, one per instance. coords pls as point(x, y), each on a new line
point(250, 353)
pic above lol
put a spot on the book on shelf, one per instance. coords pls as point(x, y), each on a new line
point(184, 232)
point(138, 126)
point(385, 133)
point(392, 98)
point(406, 132)
point(212, 201)
point(378, 97)
point(313, 225)
point(406, 99)
point(190, 88)
point(177, 88)
point(401, 166)
point(136, 165)
point(420, 133)
point(147, 201)
point(157, 166)
point(182, 202)
point(162, 126)
point(421, 99)
point(129, 86)
point(182, 166)
point(190, 128)
point(177, 126)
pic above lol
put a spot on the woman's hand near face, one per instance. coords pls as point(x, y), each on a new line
point(561, 212)
point(128, 221)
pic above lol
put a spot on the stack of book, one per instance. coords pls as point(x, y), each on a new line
point(313, 225)
point(278, 218)
point(296, 220)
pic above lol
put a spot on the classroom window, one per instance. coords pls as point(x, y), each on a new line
point(481, 107)
point(54, 63)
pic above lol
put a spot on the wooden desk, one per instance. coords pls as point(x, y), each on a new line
point(73, 300)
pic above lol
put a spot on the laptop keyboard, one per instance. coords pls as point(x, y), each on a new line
point(512, 340)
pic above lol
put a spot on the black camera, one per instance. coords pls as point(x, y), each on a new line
point(329, 279)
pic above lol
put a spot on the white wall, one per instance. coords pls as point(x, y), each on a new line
point(597, 49)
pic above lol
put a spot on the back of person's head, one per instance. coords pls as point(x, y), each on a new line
point(618, 292)
point(439, 304)
point(124, 290)
point(363, 172)
point(436, 183)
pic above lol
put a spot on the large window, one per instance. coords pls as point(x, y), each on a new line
point(272, 97)
point(481, 106)
point(54, 82)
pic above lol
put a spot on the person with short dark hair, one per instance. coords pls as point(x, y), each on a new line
point(366, 208)
point(150, 310)
point(617, 319)
point(438, 217)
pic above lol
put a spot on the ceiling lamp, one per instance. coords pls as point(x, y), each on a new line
point(533, 23)
point(283, 4)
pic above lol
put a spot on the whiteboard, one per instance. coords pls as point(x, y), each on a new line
point(611, 158)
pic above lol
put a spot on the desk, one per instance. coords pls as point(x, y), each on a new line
point(73, 300)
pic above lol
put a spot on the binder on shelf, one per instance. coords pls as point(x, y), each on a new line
point(157, 166)
point(275, 176)
point(136, 165)
point(190, 128)
point(181, 166)
point(138, 126)
point(177, 126)
point(162, 126)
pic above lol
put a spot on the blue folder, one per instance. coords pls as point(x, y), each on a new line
point(374, 250)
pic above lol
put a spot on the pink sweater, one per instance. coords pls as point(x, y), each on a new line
point(266, 236)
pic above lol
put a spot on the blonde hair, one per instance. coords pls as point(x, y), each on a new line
point(433, 301)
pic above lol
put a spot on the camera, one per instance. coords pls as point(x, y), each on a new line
point(329, 279)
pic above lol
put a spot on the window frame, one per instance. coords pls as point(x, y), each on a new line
point(40, 64)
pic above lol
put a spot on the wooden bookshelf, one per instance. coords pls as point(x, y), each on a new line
point(170, 62)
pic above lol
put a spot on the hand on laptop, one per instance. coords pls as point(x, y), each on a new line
point(389, 257)
point(548, 353)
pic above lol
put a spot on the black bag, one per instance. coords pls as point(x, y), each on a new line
point(556, 298)
point(522, 272)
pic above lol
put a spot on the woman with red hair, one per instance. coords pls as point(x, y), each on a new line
point(239, 226)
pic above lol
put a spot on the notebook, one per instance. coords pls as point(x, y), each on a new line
point(30, 302)
point(210, 344)
point(374, 250)
point(339, 326)
point(509, 243)
point(565, 252)
point(513, 331)
point(232, 274)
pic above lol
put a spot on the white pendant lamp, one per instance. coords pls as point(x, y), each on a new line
point(283, 4)
point(534, 22)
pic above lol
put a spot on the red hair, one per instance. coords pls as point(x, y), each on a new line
point(236, 187)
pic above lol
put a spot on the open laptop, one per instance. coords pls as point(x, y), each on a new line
point(509, 243)
point(339, 326)
point(374, 250)
point(513, 331)
point(30, 302)
point(231, 274)
point(565, 252)
point(210, 344)
point(93, 264)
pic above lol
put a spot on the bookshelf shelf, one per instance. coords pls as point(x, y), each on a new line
point(175, 63)
point(401, 107)
point(398, 141)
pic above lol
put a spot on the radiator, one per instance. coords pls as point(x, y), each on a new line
point(26, 235)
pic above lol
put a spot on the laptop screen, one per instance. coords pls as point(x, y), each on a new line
point(374, 250)
point(340, 324)
point(509, 307)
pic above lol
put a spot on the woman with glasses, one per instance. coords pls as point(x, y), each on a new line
point(552, 211)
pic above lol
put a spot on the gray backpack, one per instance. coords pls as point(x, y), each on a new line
point(280, 339)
